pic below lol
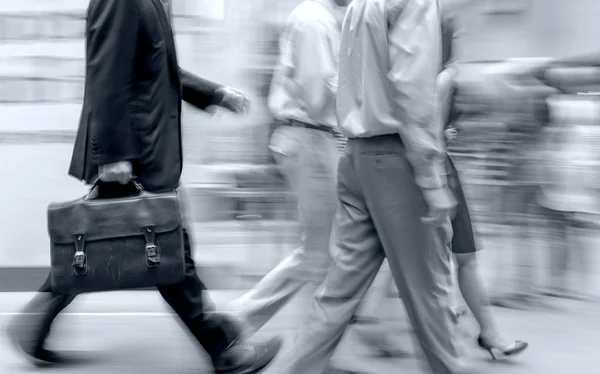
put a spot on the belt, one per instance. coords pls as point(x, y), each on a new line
point(323, 128)
point(380, 138)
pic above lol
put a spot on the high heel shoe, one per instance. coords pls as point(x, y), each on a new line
point(512, 350)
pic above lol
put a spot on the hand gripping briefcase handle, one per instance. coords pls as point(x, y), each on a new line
point(137, 187)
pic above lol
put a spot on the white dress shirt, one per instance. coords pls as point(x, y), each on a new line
point(305, 81)
point(390, 57)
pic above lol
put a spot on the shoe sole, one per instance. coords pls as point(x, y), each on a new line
point(261, 366)
point(517, 352)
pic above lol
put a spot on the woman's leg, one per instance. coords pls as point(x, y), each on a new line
point(475, 295)
point(464, 248)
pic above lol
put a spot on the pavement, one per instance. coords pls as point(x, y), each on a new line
point(126, 332)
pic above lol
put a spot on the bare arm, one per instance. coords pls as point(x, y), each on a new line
point(444, 89)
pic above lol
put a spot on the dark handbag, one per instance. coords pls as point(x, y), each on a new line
point(116, 243)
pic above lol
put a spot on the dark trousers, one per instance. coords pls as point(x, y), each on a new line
point(214, 332)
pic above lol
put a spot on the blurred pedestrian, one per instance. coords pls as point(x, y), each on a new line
point(570, 194)
point(131, 126)
point(526, 120)
point(464, 247)
point(302, 98)
point(574, 125)
point(394, 199)
point(463, 242)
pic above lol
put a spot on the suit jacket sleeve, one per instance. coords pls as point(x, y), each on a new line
point(111, 40)
point(199, 92)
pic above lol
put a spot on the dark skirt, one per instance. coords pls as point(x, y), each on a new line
point(463, 240)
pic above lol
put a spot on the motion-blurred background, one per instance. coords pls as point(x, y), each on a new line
point(529, 155)
point(241, 205)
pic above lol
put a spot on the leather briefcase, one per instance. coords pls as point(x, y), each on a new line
point(118, 243)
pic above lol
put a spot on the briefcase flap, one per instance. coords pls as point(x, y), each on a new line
point(100, 219)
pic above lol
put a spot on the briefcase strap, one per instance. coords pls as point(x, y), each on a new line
point(152, 250)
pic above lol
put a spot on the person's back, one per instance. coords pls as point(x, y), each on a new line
point(367, 96)
point(308, 47)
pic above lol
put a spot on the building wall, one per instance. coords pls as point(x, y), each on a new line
point(552, 28)
point(41, 61)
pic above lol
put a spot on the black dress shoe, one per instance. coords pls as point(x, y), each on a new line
point(247, 358)
point(44, 357)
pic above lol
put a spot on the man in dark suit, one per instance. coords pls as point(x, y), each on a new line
point(131, 126)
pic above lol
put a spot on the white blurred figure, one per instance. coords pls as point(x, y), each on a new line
point(570, 195)
point(577, 75)
point(516, 284)
point(302, 99)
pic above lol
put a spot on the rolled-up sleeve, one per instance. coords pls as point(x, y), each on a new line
point(282, 74)
point(414, 37)
point(316, 70)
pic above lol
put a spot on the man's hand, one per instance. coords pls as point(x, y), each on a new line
point(441, 203)
point(121, 172)
point(234, 100)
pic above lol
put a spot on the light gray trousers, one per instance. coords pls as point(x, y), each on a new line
point(308, 158)
point(379, 217)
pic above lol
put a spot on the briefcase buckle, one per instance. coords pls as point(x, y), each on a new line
point(79, 263)
point(80, 258)
point(152, 256)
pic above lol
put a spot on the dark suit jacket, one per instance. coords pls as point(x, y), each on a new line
point(133, 92)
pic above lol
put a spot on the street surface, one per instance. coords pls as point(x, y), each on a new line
point(133, 332)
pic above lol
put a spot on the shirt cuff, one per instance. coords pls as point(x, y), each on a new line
point(432, 177)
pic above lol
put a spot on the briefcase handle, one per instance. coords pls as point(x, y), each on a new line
point(98, 181)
